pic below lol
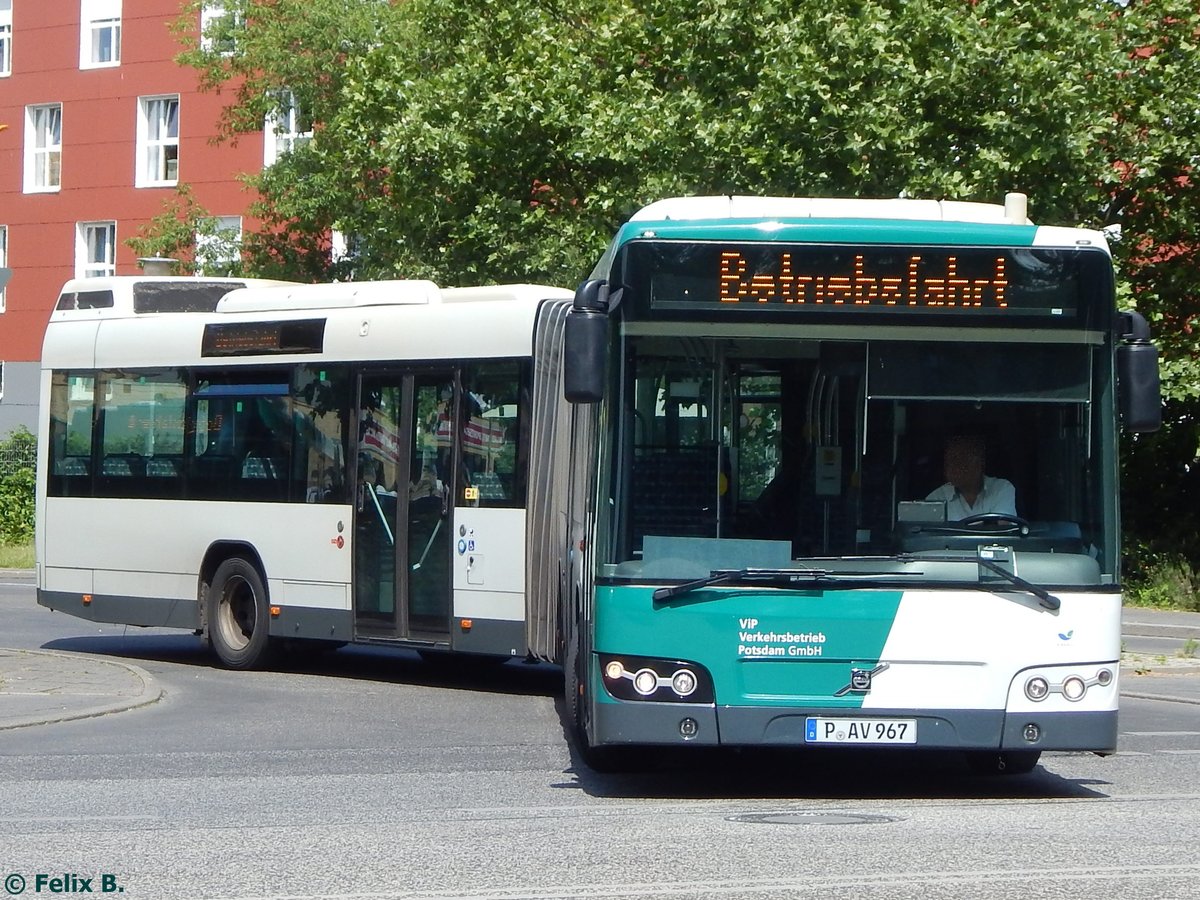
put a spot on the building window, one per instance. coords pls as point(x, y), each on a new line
point(284, 129)
point(43, 148)
point(3, 262)
point(219, 246)
point(219, 28)
point(5, 37)
point(99, 33)
point(95, 249)
point(158, 141)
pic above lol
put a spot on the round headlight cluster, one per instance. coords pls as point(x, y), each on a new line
point(646, 681)
point(1073, 687)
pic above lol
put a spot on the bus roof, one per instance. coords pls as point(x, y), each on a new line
point(844, 221)
point(373, 293)
point(391, 320)
point(1013, 212)
point(130, 295)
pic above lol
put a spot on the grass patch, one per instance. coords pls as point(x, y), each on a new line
point(16, 556)
point(1169, 583)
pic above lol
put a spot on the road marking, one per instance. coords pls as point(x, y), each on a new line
point(816, 887)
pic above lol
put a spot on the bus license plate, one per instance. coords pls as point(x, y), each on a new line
point(860, 731)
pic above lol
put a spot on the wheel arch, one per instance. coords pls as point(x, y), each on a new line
point(217, 553)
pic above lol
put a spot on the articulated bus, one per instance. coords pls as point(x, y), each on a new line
point(771, 556)
point(263, 463)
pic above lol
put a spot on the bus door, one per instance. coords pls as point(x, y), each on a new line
point(402, 525)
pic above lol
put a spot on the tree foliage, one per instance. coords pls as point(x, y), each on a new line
point(495, 140)
point(186, 232)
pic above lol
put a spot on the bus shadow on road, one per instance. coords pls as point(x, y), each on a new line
point(384, 665)
point(807, 773)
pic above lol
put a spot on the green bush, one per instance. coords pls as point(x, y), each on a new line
point(1162, 579)
point(17, 486)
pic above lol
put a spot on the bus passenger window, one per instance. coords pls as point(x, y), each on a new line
point(71, 404)
point(492, 432)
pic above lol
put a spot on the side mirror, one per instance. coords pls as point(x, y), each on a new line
point(1138, 391)
point(585, 344)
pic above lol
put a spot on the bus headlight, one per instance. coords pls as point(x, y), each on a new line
point(661, 680)
point(1037, 688)
point(1073, 688)
point(683, 682)
point(645, 682)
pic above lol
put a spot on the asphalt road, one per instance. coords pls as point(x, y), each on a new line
point(372, 775)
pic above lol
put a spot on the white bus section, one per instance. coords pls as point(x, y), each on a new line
point(146, 560)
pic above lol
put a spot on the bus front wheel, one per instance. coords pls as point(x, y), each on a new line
point(238, 615)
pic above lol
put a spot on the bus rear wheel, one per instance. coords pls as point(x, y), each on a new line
point(238, 615)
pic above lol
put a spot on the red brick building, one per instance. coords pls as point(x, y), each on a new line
point(98, 127)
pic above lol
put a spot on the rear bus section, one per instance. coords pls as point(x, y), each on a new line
point(280, 465)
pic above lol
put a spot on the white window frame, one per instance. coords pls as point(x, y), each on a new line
point(210, 12)
point(3, 264)
point(157, 166)
point(6, 29)
point(227, 237)
point(281, 134)
point(95, 257)
point(43, 148)
point(97, 17)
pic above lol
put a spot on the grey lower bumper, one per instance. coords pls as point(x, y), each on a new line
point(662, 723)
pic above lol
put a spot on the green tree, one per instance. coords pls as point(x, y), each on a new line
point(493, 140)
point(185, 232)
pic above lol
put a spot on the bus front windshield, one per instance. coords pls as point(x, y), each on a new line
point(772, 451)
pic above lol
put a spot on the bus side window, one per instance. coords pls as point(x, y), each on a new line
point(72, 398)
point(493, 425)
point(141, 433)
point(320, 407)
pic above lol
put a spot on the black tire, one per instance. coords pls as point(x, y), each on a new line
point(1003, 762)
point(238, 615)
point(598, 759)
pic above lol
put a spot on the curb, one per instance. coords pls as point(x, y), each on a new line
point(1149, 629)
point(150, 693)
point(1166, 698)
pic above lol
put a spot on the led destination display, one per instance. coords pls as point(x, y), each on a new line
point(800, 279)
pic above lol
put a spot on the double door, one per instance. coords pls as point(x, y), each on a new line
point(406, 469)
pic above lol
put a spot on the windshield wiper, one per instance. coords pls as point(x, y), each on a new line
point(1045, 598)
point(723, 576)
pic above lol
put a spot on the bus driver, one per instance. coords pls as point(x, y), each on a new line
point(968, 491)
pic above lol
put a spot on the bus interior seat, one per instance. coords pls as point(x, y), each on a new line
point(676, 491)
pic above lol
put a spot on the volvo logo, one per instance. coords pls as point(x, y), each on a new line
point(860, 680)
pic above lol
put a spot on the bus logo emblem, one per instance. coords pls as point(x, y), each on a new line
point(860, 680)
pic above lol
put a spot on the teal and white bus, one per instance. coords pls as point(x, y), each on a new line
point(771, 384)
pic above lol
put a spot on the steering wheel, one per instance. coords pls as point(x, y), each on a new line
point(999, 523)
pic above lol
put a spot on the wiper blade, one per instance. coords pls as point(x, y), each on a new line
point(724, 576)
point(1045, 598)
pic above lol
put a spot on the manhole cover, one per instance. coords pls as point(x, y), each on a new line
point(813, 818)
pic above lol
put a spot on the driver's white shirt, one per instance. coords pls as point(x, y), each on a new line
point(997, 496)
